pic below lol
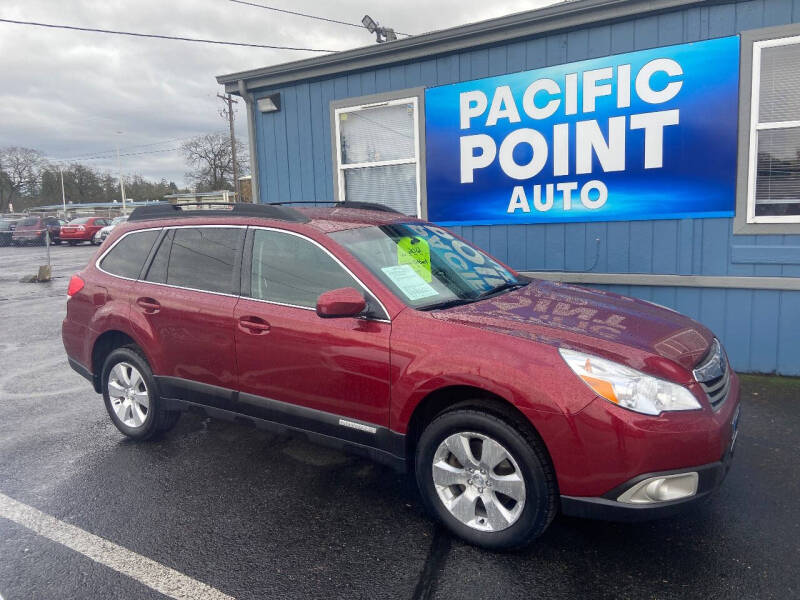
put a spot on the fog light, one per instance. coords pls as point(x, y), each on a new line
point(661, 489)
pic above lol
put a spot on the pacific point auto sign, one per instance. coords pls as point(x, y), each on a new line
point(650, 134)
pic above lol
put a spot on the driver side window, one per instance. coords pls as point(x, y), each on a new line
point(288, 269)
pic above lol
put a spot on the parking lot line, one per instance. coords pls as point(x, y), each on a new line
point(148, 572)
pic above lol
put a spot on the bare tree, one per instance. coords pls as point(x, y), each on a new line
point(210, 161)
point(19, 173)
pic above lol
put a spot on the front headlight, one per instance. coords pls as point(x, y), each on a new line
point(628, 387)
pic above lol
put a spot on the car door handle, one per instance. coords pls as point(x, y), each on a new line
point(148, 305)
point(253, 325)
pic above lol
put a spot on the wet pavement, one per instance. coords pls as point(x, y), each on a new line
point(256, 515)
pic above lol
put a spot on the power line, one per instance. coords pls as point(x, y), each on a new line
point(114, 150)
point(308, 16)
point(161, 37)
point(110, 157)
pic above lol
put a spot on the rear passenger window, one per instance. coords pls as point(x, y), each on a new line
point(128, 255)
point(204, 258)
point(291, 270)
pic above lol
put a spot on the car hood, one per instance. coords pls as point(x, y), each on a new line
point(573, 316)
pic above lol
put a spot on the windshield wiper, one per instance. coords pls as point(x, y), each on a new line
point(509, 285)
point(448, 303)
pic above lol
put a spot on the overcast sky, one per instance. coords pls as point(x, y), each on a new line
point(67, 93)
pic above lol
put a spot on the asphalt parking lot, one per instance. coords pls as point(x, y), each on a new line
point(244, 514)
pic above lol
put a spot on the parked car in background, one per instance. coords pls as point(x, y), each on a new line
point(31, 230)
point(82, 229)
point(12, 218)
point(5, 233)
point(510, 398)
point(101, 235)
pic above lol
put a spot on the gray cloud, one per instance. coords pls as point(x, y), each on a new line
point(68, 93)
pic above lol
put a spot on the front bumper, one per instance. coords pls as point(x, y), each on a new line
point(608, 508)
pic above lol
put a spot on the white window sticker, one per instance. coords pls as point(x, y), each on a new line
point(409, 282)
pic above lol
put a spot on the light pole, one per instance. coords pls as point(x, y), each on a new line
point(63, 196)
point(121, 184)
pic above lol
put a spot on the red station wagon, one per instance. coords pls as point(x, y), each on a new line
point(82, 229)
point(510, 399)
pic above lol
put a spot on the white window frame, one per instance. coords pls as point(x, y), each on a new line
point(341, 168)
point(756, 126)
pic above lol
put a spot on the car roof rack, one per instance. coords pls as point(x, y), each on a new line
point(343, 204)
point(226, 209)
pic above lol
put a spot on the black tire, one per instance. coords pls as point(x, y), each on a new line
point(530, 455)
point(157, 419)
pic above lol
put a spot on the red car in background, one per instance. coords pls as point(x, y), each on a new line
point(82, 229)
point(31, 230)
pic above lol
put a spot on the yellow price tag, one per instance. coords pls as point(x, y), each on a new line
point(414, 251)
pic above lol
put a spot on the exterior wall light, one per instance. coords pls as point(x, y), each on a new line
point(268, 104)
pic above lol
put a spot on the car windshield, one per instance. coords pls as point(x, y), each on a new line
point(425, 266)
point(29, 221)
point(80, 221)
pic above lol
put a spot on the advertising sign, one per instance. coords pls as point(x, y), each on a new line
point(644, 135)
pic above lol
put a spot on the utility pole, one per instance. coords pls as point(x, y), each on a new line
point(229, 99)
point(63, 195)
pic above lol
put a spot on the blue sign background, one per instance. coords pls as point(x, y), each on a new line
point(697, 178)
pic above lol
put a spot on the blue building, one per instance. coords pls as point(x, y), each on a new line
point(648, 147)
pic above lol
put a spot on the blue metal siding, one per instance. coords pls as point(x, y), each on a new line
point(760, 328)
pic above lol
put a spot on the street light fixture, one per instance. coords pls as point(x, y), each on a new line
point(382, 34)
point(371, 25)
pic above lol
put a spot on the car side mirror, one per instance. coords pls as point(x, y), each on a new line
point(343, 302)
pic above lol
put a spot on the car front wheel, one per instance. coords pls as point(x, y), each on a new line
point(487, 479)
point(131, 395)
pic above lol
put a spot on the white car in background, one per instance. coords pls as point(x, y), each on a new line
point(102, 234)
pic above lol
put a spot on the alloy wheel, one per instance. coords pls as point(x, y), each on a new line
point(478, 481)
point(127, 391)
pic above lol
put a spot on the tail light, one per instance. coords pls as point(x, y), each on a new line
point(75, 285)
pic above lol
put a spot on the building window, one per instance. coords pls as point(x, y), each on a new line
point(377, 154)
point(773, 185)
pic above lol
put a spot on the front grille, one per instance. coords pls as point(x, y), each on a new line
point(714, 375)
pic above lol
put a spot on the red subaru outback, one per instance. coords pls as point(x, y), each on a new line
point(510, 398)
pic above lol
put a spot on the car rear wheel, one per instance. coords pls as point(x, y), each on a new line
point(489, 481)
point(131, 395)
